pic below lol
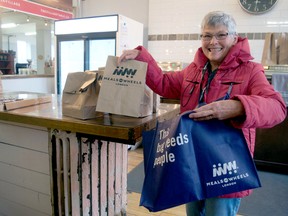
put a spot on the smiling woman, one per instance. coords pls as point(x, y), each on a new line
point(215, 78)
point(218, 36)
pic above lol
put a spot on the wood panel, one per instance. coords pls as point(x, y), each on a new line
point(19, 135)
point(111, 172)
point(75, 196)
point(25, 178)
point(21, 196)
point(24, 158)
point(85, 175)
point(24, 168)
point(8, 208)
point(95, 176)
point(98, 181)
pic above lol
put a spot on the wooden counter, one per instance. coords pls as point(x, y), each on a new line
point(120, 128)
point(56, 165)
point(17, 76)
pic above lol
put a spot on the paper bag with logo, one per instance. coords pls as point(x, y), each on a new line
point(282, 45)
point(80, 94)
point(269, 55)
point(123, 89)
point(185, 160)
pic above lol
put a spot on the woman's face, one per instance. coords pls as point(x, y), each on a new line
point(216, 43)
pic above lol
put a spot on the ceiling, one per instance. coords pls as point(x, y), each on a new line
point(23, 25)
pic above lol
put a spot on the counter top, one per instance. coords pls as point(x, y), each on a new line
point(113, 127)
point(20, 76)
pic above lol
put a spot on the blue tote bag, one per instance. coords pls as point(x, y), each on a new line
point(185, 161)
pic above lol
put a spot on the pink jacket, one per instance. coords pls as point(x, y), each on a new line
point(263, 106)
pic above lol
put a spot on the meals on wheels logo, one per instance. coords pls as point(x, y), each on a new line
point(226, 174)
point(124, 76)
point(121, 71)
point(225, 168)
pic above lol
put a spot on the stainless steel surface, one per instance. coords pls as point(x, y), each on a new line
point(272, 69)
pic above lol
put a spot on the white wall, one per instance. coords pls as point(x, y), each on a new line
point(169, 17)
point(181, 17)
point(29, 84)
point(25, 170)
point(134, 9)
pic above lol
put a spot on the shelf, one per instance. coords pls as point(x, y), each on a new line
point(7, 63)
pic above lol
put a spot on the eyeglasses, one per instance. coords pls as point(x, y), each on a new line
point(218, 36)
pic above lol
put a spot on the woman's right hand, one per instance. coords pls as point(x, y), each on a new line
point(128, 54)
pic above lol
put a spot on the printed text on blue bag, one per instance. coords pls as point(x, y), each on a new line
point(166, 142)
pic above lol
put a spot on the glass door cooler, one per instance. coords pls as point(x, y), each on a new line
point(85, 43)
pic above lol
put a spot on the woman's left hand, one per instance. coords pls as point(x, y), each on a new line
point(224, 109)
point(128, 54)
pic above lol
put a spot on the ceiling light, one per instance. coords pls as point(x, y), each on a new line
point(9, 25)
point(277, 23)
point(30, 33)
point(28, 19)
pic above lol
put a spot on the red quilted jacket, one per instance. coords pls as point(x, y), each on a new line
point(263, 106)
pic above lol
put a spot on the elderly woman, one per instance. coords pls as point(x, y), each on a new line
point(222, 82)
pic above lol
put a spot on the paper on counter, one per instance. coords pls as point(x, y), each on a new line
point(11, 104)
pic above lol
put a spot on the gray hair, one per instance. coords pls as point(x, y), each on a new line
point(219, 18)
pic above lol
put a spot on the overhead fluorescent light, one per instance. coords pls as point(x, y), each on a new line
point(277, 23)
point(9, 25)
point(86, 25)
point(30, 33)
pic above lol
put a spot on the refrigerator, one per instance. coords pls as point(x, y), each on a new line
point(85, 43)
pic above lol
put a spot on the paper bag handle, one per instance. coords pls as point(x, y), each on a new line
point(85, 85)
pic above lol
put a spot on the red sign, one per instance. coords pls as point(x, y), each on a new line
point(65, 5)
point(36, 9)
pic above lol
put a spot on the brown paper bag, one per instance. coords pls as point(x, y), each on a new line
point(123, 90)
point(282, 45)
point(80, 94)
point(269, 51)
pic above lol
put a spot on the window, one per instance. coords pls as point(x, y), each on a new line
point(23, 51)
